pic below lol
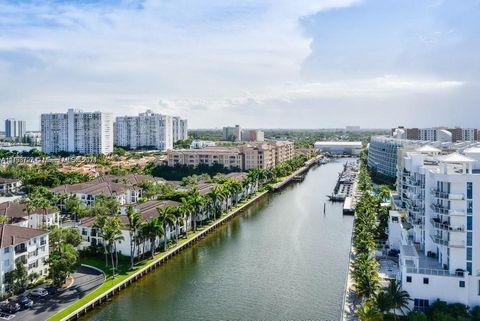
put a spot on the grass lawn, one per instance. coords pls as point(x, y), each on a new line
point(123, 268)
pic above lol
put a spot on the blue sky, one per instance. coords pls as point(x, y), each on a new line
point(259, 63)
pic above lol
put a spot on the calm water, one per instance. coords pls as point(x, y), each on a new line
point(283, 259)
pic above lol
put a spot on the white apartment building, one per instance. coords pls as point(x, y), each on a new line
point(147, 130)
point(232, 133)
point(15, 129)
point(180, 129)
point(21, 244)
point(77, 132)
point(17, 214)
point(439, 240)
point(9, 185)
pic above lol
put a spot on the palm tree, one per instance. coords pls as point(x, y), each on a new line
point(168, 219)
point(75, 206)
point(384, 303)
point(399, 298)
point(111, 234)
point(384, 192)
point(134, 222)
point(197, 203)
point(369, 312)
point(216, 195)
point(151, 230)
point(186, 211)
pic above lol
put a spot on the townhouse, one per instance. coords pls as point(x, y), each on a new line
point(9, 186)
point(18, 215)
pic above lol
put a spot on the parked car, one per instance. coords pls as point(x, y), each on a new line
point(39, 292)
point(52, 290)
point(25, 302)
point(10, 307)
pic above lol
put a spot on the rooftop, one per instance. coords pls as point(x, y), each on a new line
point(11, 235)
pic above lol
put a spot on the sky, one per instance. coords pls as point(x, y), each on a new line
point(257, 63)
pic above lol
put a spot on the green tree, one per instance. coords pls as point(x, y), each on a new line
point(64, 235)
point(62, 262)
point(369, 312)
point(16, 281)
point(416, 316)
point(134, 223)
point(399, 298)
point(111, 233)
point(168, 219)
point(152, 230)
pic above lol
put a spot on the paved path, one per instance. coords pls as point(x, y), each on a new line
point(86, 280)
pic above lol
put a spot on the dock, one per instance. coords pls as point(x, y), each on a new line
point(345, 189)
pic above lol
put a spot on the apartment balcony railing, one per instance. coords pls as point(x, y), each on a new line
point(438, 272)
point(439, 209)
point(445, 225)
point(440, 241)
point(447, 196)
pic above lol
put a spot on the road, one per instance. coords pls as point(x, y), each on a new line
point(85, 281)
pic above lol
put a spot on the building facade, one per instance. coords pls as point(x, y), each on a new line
point(77, 132)
point(147, 130)
point(335, 147)
point(439, 239)
point(15, 129)
point(180, 129)
point(9, 186)
point(244, 157)
point(22, 244)
point(441, 134)
point(233, 134)
point(253, 135)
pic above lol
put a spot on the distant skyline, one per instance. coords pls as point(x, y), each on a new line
point(257, 63)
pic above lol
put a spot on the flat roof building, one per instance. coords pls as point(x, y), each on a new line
point(336, 147)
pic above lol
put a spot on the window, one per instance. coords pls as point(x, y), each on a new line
point(469, 190)
point(461, 284)
point(425, 280)
point(469, 207)
point(469, 253)
point(469, 267)
point(409, 279)
point(469, 223)
point(469, 238)
point(420, 305)
point(6, 250)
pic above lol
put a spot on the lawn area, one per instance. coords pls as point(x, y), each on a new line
point(123, 269)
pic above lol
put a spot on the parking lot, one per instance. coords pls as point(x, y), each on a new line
point(85, 280)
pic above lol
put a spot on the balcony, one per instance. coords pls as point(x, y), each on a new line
point(447, 196)
point(445, 225)
point(439, 209)
point(19, 249)
point(440, 241)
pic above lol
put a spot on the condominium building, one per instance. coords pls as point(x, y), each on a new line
point(441, 134)
point(244, 157)
point(9, 185)
point(147, 130)
point(15, 129)
point(22, 244)
point(77, 132)
point(382, 155)
point(232, 133)
point(253, 135)
point(229, 157)
point(17, 214)
point(258, 156)
point(180, 129)
point(439, 239)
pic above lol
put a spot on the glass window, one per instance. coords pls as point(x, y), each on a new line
point(425, 280)
point(461, 284)
point(469, 223)
point(469, 238)
point(469, 267)
point(469, 190)
point(469, 207)
point(469, 253)
point(409, 279)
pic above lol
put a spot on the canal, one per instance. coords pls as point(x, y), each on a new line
point(283, 259)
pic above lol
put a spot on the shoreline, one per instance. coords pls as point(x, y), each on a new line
point(105, 295)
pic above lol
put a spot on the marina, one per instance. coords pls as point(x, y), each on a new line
point(346, 186)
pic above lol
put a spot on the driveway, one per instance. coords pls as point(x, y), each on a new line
point(86, 280)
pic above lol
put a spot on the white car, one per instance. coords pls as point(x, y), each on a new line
point(41, 292)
